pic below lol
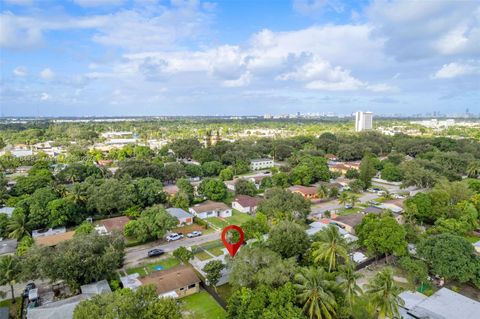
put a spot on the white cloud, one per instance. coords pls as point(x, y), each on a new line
point(453, 70)
point(420, 29)
point(96, 3)
point(20, 71)
point(44, 96)
point(309, 7)
point(47, 74)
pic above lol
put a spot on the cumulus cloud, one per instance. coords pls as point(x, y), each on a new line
point(47, 74)
point(309, 7)
point(44, 96)
point(420, 29)
point(20, 71)
point(454, 69)
point(19, 2)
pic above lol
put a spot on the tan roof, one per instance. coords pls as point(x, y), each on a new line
point(209, 206)
point(171, 279)
point(170, 189)
point(305, 190)
point(115, 223)
point(54, 240)
point(350, 220)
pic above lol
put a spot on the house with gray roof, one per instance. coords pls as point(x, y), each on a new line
point(443, 304)
point(8, 246)
point(183, 217)
point(7, 211)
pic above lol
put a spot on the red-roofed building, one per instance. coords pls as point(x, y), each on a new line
point(245, 203)
point(308, 192)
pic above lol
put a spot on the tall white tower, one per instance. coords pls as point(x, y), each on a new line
point(363, 121)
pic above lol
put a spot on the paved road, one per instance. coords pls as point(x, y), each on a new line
point(334, 204)
point(135, 255)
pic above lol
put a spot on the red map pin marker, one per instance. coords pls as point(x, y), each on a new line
point(232, 248)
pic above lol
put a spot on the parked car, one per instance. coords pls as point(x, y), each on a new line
point(348, 206)
point(174, 236)
point(28, 287)
point(155, 252)
point(371, 190)
point(398, 196)
point(373, 202)
point(194, 233)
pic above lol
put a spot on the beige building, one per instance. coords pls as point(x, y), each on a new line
point(175, 282)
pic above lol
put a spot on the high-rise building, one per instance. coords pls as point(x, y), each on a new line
point(363, 121)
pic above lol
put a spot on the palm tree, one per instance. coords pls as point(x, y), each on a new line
point(473, 169)
point(77, 194)
point(314, 291)
point(384, 294)
point(8, 273)
point(343, 198)
point(322, 191)
point(349, 284)
point(330, 247)
point(353, 199)
point(17, 225)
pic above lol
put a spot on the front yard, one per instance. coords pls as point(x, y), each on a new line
point(202, 306)
point(237, 218)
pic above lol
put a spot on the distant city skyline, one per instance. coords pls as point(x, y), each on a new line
point(193, 57)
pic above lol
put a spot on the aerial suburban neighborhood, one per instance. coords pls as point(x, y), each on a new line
point(197, 159)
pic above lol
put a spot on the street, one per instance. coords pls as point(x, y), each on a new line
point(135, 255)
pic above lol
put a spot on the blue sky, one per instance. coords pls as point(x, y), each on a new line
point(187, 57)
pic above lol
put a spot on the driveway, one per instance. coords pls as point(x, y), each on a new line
point(135, 255)
point(334, 204)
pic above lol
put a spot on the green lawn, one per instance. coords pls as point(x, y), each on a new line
point(202, 306)
point(203, 256)
point(225, 291)
point(472, 239)
point(217, 251)
point(145, 269)
point(237, 218)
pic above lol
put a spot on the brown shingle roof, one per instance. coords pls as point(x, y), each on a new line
point(171, 279)
point(350, 220)
point(209, 206)
point(305, 190)
point(54, 240)
point(115, 223)
point(247, 201)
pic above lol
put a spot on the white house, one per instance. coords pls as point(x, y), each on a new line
point(245, 203)
point(261, 163)
point(182, 216)
point(211, 209)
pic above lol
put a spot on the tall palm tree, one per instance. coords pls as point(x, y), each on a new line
point(315, 292)
point(9, 272)
point(353, 199)
point(322, 191)
point(330, 247)
point(473, 169)
point(17, 225)
point(343, 198)
point(384, 294)
point(349, 285)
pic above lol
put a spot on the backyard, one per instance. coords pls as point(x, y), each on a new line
point(202, 306)
point(161, 264)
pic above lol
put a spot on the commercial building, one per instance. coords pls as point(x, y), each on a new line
point(363, 121)
point(261, 163)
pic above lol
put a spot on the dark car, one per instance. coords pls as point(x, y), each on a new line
point(155, 252)
point(28, 287)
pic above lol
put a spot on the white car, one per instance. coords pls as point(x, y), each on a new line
point(194, 233)
point(398, 196)
point(174, 236)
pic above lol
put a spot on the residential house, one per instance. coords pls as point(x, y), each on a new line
point(109, 225)
point(338, 167)
point(261, 163)
point(308, 192)
point(315, 227)
point(175, 282)
point(245, 203)
point(348, 222)
point(182, 216)
point(8, 246)
point(331, 157)
point(443, 304)
point(53, 240)
point(231, 185)
point(211, 209)
point(63, 309)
